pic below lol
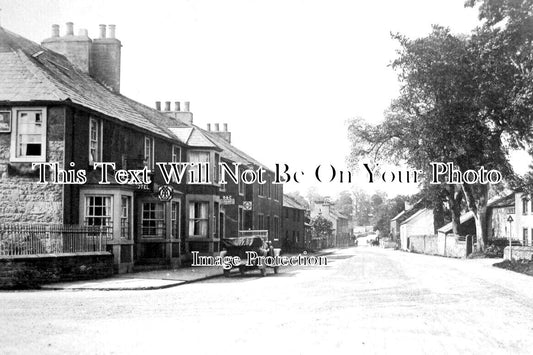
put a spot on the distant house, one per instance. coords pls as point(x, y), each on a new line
point(420, 223)
point(511, 216)
point(408, 211)
point(343, 229)
point(293, 224)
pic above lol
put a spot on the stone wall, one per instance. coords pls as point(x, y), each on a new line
point(22, 199)
point(444, 245)
point(454, 247)
point(387, 244)
point(425, 244)
point(518, 253)
point(32, 271)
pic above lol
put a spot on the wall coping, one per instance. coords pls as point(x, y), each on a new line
point(45, 256)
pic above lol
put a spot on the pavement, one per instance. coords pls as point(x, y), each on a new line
point(149, 280)
point(146, 280)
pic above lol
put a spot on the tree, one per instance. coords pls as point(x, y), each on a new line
point(322, 227)
point(313, 195)
point(463, 99)
point(362, 209)
point(344, 203)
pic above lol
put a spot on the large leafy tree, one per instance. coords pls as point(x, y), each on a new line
point(344, 203)
point(322, 227)
point(463, 99)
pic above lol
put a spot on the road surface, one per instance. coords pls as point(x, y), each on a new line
point(367, 300)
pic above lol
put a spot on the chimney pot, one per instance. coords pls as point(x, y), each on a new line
point(217, 127)
point(209, 127)
point(167, 106)
point(186, 106)
point(70, 29)
point(225, 127)
point(112, 31)
point(55, 30)
point(102, 31)
point(176, 106)
point(158, 105)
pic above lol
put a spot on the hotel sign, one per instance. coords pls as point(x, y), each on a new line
point(227, 200)
point(165, 193)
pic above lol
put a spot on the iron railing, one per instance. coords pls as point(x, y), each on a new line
point(38, 239)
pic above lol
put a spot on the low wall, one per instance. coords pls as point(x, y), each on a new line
point(518, 253)
point(30, 271)
point(387, 244)
point(454, 247)
point(445, 245)
point(425, 244)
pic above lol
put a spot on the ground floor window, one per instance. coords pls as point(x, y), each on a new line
point(525, 237)
point(198, 219)
point(125, 217)
point(175, 218)
point(153, 219)
point(98, 210)
point(241, 218)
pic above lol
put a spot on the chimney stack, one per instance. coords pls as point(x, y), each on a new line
point(76, 49)
point(70, 29)
point(183, 116)
point(105, 59)
point(112, 31)
point(158, 105)
point(222, 134)
point(55, 31)
point(102, 31)
point(99, 58)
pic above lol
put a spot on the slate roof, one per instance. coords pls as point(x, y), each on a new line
point(499, 201)
point(29, 72)
point(418, 213)
point(465, 217)
point(193, 137)
point(290, 202)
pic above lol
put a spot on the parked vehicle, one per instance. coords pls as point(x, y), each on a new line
point(250, 241)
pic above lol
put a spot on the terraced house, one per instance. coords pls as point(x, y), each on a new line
point(60, 102)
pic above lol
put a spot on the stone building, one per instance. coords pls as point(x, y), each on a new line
point(60, 102)
point(343, 232)
point(294, 225)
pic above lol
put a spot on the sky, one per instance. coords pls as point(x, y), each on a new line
point(285, 75)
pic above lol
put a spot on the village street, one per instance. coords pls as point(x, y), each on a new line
point(367, 300)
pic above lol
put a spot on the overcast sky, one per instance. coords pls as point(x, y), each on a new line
point(285, 75)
